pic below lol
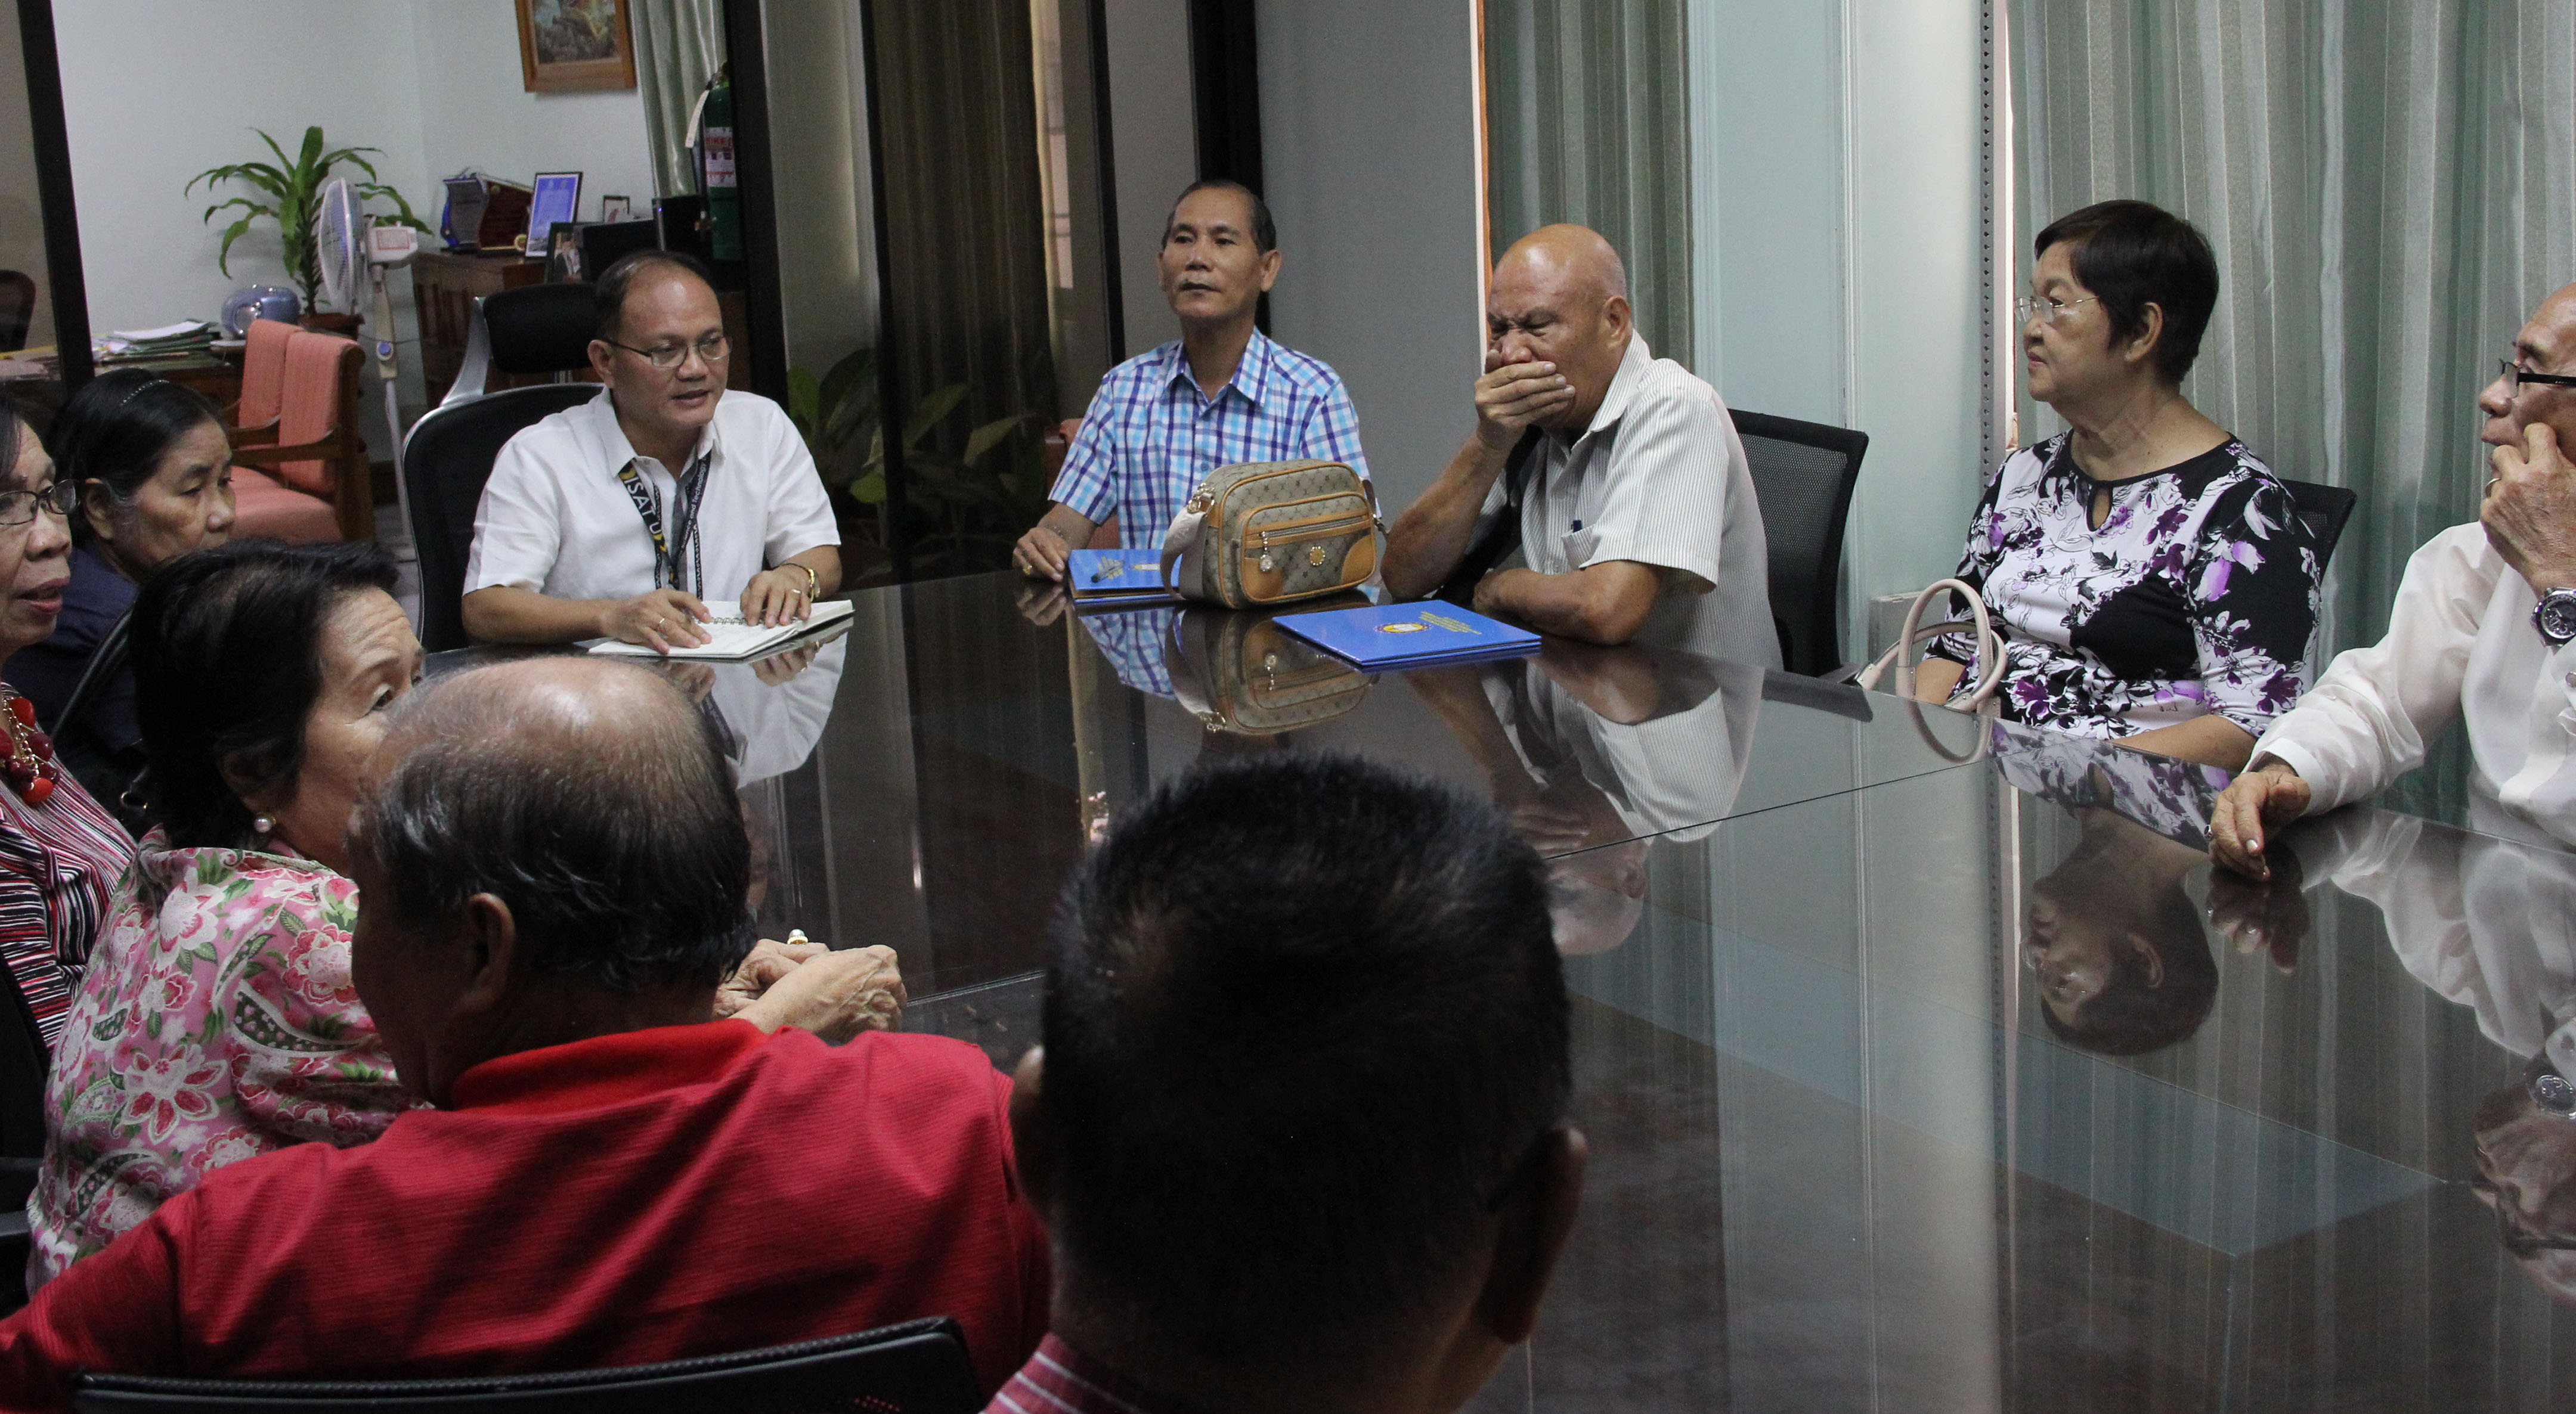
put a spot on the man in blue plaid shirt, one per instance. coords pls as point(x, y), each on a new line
point(1220, 394)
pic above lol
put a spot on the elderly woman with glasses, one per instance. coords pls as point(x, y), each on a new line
point(2150, 576)
point(153, 474)
point(60, 852)
point(2480, 634)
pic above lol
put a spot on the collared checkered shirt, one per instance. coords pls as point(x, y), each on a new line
point(1150, 436)
point(1059, 1380)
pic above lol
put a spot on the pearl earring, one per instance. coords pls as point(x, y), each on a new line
point(261, 825)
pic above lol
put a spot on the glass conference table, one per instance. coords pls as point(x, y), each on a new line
point(1926, 1066)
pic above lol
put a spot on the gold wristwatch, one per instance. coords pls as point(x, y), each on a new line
point(813, 581)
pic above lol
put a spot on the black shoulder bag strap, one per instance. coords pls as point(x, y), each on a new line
point(1505, 534)
point(105, 663)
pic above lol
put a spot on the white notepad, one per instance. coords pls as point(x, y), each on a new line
point(732, 640)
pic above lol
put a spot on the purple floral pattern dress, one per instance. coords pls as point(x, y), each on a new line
point(2196, 594)
point(216, 1022)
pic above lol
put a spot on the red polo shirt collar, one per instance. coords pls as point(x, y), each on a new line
point(605, 1070)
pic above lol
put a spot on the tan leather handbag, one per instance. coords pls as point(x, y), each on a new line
point(1261, 533)
point(1242, 673)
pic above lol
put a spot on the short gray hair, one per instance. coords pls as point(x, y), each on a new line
point(601, 811)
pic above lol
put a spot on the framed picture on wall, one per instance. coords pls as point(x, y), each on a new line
point(570, 46)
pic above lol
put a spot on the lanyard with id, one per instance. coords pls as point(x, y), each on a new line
point(681, 541)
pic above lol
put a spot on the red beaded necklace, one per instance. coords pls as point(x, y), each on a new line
point(30, 769)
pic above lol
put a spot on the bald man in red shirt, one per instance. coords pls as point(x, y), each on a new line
point(552, 870)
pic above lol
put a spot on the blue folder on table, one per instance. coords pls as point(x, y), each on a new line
point(1381, 636)
point(1120, 578)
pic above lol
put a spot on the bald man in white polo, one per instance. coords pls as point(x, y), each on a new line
point(1638, 522)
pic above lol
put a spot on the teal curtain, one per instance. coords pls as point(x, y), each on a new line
point(1588, 120)
point(2391, 188)
point(679, 44)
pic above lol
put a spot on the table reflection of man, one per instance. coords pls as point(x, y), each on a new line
point(1590, 750)
point(1132, 639)
point(2489, 924)
point(771, 713)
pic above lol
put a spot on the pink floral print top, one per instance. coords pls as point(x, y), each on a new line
point(216, 1022)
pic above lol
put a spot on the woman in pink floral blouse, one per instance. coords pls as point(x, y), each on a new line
point(217, 1020)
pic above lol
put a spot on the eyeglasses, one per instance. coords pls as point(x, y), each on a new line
point(2029, 307)
point(714, 349)
point(19, 507)
point(2515, 375)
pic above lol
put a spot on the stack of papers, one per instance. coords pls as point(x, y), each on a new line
point(1382, 636)
point(188, 339)
point(732, 640)
point(1123, 579)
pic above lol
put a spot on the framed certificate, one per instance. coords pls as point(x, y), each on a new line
point(558, 198)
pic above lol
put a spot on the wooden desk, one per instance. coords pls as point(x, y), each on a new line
point(444, 287)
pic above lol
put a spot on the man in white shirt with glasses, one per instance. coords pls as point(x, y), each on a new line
point(628, 516)
point(2482, 629)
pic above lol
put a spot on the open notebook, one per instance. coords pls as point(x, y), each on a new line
point(735, 641)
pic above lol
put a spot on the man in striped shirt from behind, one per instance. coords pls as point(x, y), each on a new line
point(1296, 1125)
point(1222, 393)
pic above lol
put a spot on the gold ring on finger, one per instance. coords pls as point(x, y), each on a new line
point(2492, 483)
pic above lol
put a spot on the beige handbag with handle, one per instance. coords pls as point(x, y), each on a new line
point(1256, 534)
point(1990, 653)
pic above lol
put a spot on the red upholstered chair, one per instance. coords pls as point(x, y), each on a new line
point(316, 483)
point(254, 418)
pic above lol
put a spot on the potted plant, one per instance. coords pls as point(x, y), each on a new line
point(290, 188)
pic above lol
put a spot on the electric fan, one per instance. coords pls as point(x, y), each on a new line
point(345, 241)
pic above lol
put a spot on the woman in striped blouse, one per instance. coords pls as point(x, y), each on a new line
point(60, 852)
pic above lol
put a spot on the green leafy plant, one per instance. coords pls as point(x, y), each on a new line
point(966, 506)
point(291, 187)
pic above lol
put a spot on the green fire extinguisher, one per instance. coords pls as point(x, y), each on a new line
point(716, 169)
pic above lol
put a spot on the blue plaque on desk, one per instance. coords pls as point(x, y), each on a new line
point(1382, 636)
point(1120, 578)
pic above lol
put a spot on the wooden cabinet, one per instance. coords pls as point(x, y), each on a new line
point(444, 287)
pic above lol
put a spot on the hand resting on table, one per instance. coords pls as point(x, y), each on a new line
point(835, 995)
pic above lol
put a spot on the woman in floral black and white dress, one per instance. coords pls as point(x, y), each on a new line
point(2150, 575)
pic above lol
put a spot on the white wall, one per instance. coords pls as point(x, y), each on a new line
point(827, 257)
point(1368, 151)
point(1155, 138)
point(155, 91)
point(1838, 201)
point(475, 111)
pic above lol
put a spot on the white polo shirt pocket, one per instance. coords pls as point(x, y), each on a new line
point(1578, 545)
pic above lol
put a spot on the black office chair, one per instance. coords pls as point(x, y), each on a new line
point(919, 1367)
point(1803, 473)
point(449, 454)
point(2323, 510)
point(23, 1061)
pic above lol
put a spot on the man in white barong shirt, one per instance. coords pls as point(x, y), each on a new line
point(2481, 630)
point(669, 498)
point(1637, 517)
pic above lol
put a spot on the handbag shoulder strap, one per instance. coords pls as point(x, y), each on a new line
point(1505, 534)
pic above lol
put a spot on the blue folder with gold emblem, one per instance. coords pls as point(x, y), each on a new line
point(1382, 636)
point(1124, 579)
